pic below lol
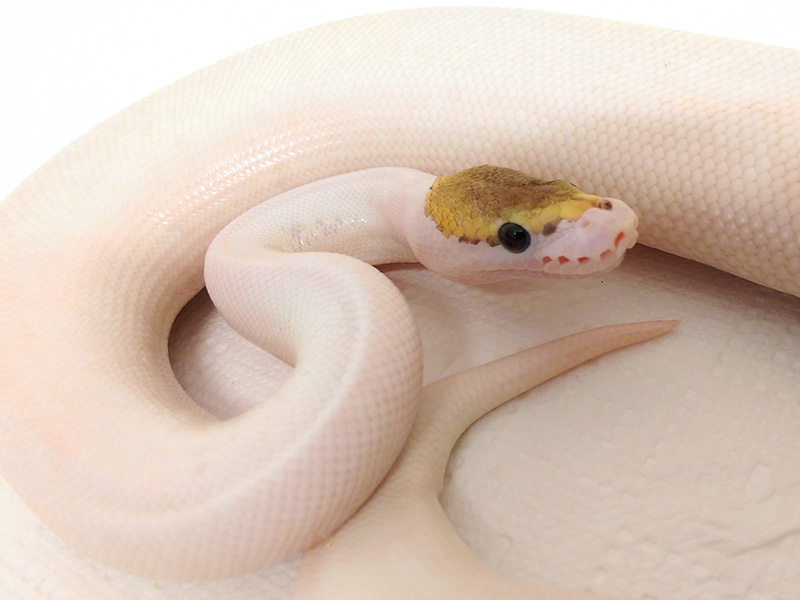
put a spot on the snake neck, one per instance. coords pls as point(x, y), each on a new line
point(364, 214)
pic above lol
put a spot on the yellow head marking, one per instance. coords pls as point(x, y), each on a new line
point(473, 204)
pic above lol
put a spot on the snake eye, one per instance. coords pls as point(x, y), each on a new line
point(514, 238)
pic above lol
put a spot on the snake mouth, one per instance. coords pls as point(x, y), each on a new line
point(592, 245)
point(564, 266)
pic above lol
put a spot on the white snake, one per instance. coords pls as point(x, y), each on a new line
point(124, 216)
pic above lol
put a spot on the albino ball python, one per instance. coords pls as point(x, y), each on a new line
point(705, 150)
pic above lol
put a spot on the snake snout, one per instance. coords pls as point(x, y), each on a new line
point(594, 243)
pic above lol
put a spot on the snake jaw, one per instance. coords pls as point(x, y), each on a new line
point(594, 243)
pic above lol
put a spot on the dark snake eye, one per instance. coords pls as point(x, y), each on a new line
point(514, 238)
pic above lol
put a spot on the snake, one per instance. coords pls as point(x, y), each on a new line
point(106, 242)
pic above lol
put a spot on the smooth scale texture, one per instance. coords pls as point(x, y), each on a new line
point(689, 473)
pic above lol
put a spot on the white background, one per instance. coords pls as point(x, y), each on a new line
point(66, 66)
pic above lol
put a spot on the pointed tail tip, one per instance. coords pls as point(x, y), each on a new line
point(643, 330)
point(664, 326)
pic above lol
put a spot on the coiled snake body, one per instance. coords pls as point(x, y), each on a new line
point(104, 245)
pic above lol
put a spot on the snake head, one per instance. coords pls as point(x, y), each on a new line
point(492, 223)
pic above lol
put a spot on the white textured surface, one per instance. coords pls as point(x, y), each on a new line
point(747, 343)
